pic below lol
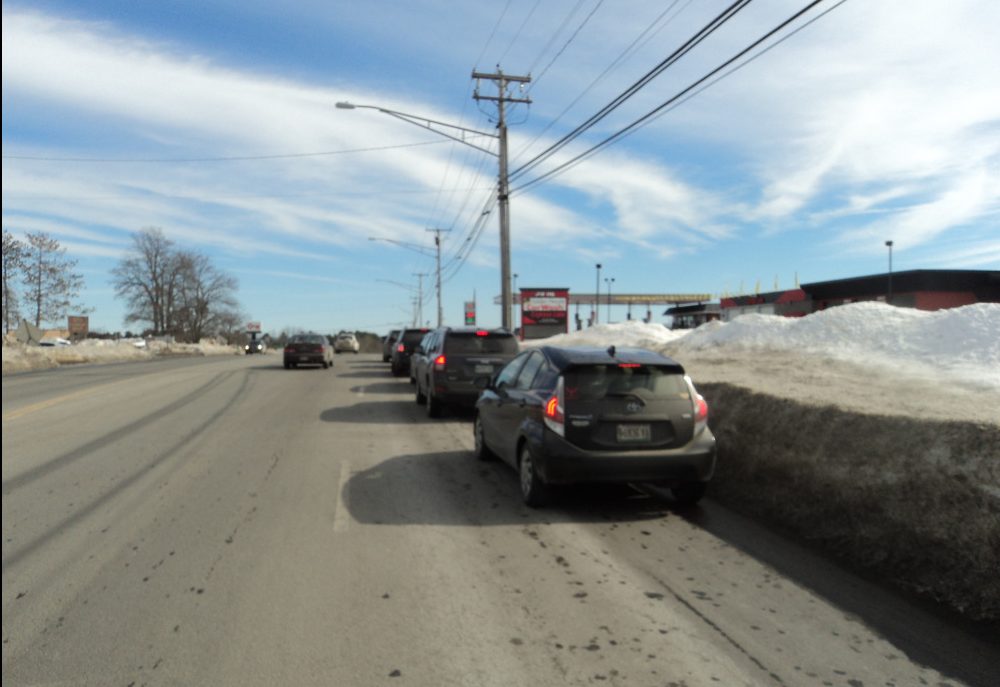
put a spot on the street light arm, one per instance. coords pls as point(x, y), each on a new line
point(427, 123)
point(405, 244)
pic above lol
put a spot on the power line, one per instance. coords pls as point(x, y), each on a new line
point(688, 45)
point(283, 156)
point(493, 32)
point(520, 29)
point(565, 45)
point(673, 100)
point(629, 50)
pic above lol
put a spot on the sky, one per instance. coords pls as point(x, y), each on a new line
point(216, 123)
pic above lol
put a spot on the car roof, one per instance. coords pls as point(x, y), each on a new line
point(473, 330)
point(573, 356)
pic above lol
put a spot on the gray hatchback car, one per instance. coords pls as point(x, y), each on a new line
point(578, 415)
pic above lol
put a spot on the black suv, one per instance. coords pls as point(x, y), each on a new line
point(403, 347)
point(447, 363)
point(574, 415)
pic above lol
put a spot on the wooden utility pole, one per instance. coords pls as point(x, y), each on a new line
point(501, 99)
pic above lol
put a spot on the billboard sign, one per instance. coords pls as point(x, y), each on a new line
point(253, 326)
point(544, 312)
point(78, 326)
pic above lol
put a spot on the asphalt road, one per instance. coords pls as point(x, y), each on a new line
point(224, 521)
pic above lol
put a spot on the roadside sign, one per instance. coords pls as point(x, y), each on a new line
point(253, 326)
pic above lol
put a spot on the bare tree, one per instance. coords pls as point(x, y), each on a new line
point(177, 292)
point(205, 298)
point(13, 264)
point(49, 281)
point(146, 278)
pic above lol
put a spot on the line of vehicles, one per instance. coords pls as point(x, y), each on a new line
point(564, 415)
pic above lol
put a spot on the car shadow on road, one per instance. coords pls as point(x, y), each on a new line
point(369, 412)
point(453, 488)
point(381, 388)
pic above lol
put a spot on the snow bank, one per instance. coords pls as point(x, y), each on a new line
point(18, 357)
point(961, 344)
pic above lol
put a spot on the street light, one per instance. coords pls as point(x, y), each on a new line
point(597, 293)
point(502, 184)
point(609, 282)
point(423, 250)
point(888, 298)
point(418, 304)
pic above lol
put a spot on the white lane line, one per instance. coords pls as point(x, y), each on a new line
point(341, 516)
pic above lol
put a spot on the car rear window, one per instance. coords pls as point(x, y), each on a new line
point(471, 343)
point(594, 382)
point(412, 336)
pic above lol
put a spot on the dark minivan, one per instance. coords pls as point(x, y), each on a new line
point(403, 347)
point(578, 415)
point(449, 360)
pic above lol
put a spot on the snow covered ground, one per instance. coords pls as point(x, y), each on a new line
point(863, 356)
point(20, 358)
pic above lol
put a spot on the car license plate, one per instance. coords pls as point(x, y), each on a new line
point(484, 369)
point(633, 433)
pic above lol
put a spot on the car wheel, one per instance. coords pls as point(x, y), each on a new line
point(689, 493)
point(481, 450)
point(288, 366)
point(433, 405)
point(325, 365)
point(533, 490)
point(421, 398)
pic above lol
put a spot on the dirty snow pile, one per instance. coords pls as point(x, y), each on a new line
point(19, 357)
point(961, 344)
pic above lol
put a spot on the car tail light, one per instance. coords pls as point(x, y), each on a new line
point(700, 413)
point(482, 332)
point(439, 362)
point(553, 412)
point(629, 365)
point(401, 348)
point(289, 349)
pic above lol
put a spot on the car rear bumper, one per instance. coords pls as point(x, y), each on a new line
point(305, 359)
point(560, 462)
point(458, 397)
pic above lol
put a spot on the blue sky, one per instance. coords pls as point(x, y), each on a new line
point(216, 122)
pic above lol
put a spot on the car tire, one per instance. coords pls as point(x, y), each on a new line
point(288, 366)
point(421, 398)
point(480, 449)
point(325, 365)
point(688, 493)
point(433, 405)
point(534, 491)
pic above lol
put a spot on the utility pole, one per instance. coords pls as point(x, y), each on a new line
point(420, 298)
point(437, 245)
point(502, 98)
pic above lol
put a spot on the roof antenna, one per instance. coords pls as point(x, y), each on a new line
point(611, 350)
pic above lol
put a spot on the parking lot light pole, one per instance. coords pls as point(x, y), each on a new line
point(888, 298)
point(609, 281)
point(597, 293)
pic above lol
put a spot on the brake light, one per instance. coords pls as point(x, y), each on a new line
point(700, 414)
point(439, 362)
point(629, 365)
point(482, 332)
point(401, 348)
point(553, 413)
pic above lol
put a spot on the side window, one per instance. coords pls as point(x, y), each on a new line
point(508, 374)
point(546, 378)
point(527, 372)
